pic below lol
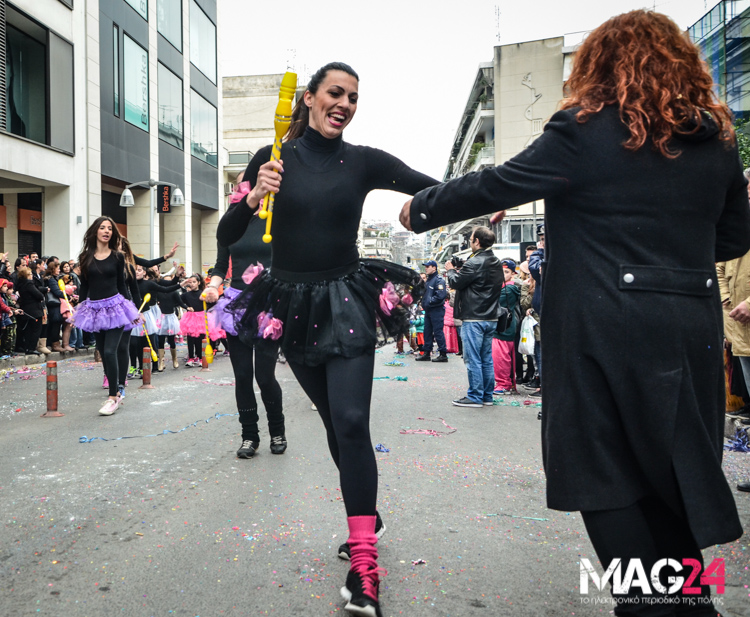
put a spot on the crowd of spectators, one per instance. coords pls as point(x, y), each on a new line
point(36, 297)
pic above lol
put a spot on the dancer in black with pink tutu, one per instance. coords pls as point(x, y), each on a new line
point(104, 308)
point(320, 298)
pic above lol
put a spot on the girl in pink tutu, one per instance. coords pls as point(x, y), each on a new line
point(193, 322)
point(104, 308)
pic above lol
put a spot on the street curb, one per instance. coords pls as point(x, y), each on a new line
point(57, 356)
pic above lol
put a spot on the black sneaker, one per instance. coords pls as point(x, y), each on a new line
point(425, 357)
point(536, 393)
point(248, 449)
point(466, 402)
point(441, 358)
point(278, 444)
point(345, 552)
point(740, 414)
point(357, 601)
point(532, 384)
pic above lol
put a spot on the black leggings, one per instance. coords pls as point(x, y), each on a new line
point(195, 347)
point(648, 530)
point(137, 343)
point(122, 357)
point(167, 338)
point(341, 389)
point(107, 343)
point(241, 357)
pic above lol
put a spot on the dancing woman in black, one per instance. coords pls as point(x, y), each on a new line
point(247, 251)
point(104, 308)
point(321, 296)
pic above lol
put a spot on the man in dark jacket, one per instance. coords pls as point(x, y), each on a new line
point(478, 285)
point(433, 303)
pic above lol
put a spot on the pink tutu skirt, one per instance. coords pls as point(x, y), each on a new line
point(105, 314)
point(193, 323)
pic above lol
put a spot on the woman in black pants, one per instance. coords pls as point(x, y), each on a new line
point(104, 307)
point(249, 250)
point(31, 302)
point(321, 296)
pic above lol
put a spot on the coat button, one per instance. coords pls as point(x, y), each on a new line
point(709, 282)
point(628, 278)
point(424, 216)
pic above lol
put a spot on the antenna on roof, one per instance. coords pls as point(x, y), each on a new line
point(497, 22)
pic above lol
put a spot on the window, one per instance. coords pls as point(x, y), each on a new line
point(116, 67)
point(202, 42)
point(203, 129)
point(140, 6)
point(169, 21)
point(26, 83)
point(38, 62)
point(170, 107)
point(135, 68)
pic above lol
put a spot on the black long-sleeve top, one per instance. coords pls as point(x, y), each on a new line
point(104, 278)
point(248, 250)
point(148, 263)
point(193, 300)
point(318, 207)
point(168, 302)
point(153, 287)
point(132, 285)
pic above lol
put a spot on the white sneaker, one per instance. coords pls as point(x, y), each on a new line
point(109, 407)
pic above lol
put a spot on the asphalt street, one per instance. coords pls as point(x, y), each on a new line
point(173, 523)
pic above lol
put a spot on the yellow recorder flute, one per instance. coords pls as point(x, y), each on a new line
point(281, 122)
point(209, 349)
point(154, 357)
point(61, 285)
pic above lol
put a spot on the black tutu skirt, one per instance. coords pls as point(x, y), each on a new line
point(318, 316)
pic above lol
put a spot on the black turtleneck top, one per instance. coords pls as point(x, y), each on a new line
point(318, 207)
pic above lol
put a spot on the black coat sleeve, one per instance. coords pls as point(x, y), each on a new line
point(733, 227)
point(233, 224)
point(542, 170)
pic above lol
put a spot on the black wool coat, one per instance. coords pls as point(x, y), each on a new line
point(632, 339)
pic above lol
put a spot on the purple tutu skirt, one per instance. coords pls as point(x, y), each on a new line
point(193, 323)
point(219, 317)
point(106, 314)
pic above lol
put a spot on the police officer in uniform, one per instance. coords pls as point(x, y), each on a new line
point(433, 303)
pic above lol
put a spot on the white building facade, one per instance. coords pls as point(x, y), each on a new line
point(120, 91)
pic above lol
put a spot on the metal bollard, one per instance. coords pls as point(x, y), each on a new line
point(204, 362)
point(52, 392)
point(146, 370)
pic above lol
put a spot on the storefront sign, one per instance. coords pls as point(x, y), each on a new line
point(29, 220)
point(164, 194)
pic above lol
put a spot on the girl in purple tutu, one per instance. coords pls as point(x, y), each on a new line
point(104, 308)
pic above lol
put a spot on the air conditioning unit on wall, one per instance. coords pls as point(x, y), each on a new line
point(228, 188)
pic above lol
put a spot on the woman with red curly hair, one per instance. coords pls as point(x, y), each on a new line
point(644, 192)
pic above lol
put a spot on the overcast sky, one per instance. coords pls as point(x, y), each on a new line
point(416, 59)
